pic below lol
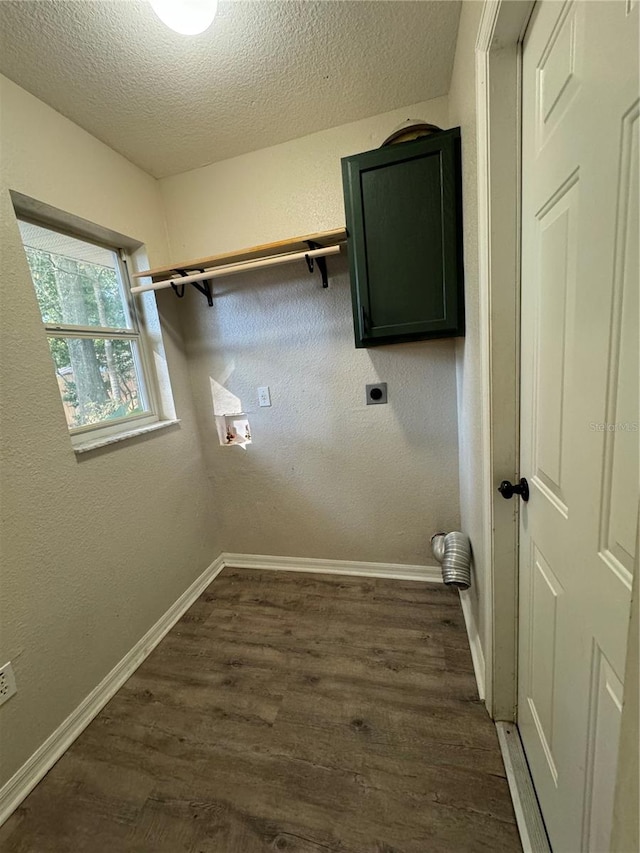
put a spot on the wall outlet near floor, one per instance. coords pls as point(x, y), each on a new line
point(7, 683)
point(264, 396)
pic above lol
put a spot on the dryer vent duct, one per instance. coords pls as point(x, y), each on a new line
point(453, 551)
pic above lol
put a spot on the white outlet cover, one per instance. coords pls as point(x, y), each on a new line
point(264, 396)
point(7, 683)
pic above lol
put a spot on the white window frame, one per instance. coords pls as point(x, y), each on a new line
point(91, 435)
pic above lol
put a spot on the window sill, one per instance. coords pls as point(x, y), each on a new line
point(87, 446)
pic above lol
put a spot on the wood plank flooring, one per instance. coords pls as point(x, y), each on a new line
point(287, 712)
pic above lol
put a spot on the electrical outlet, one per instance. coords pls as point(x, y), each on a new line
point(376, 394)
point(7, 683)
point(264, 396)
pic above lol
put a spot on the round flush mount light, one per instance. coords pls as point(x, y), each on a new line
point(187, 17)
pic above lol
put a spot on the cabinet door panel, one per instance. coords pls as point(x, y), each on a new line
point(403, 222)
point(393, 204)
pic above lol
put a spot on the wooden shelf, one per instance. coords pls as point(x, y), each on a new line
point(282, 247)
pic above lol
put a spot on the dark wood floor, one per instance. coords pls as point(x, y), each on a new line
point(287, 712)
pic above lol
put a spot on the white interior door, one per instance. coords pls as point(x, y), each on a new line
point(579, 404)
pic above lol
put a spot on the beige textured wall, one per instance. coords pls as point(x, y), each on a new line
point(462, 111)
point(94, 549)
point(282, 191)
point(326, 476)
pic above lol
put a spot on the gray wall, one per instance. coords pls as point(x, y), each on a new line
point(326, 475)
point(96, 548)
point(462, 111)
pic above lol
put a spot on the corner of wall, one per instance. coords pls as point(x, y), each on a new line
point(462, 111)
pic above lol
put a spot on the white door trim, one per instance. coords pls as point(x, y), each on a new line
point(498, 62)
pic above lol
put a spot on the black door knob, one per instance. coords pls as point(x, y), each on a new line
point(508, 490)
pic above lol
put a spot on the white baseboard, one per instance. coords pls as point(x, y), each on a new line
point(394, 571)
point(477, 655)
point(32, 771)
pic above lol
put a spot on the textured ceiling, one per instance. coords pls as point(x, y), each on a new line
point(264, 73)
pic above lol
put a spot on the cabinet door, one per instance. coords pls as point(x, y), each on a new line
point(404, 239)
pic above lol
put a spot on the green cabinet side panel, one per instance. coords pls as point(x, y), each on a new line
point(403, 212)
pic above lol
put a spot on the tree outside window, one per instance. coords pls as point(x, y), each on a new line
point(90, 324)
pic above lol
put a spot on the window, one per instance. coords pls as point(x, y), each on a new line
point(90, 320)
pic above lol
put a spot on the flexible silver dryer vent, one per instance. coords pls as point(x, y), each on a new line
point(453, 551)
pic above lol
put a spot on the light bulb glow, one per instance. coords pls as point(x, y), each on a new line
point(187, 17)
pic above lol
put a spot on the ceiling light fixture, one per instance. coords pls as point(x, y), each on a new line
point(187, 17)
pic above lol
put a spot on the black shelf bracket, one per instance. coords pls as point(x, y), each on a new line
point(203, 286)
point(321, 262)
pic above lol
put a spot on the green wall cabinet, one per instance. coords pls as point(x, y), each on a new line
point(404, 237)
